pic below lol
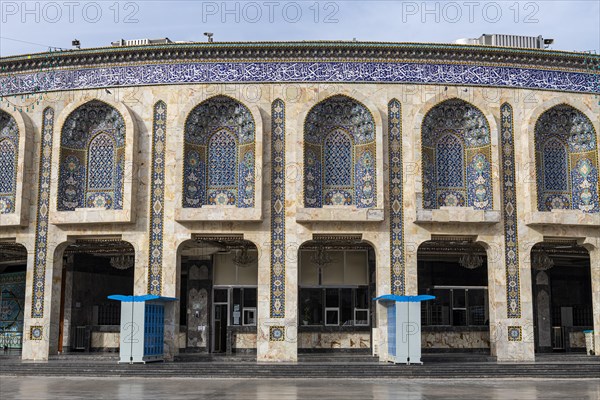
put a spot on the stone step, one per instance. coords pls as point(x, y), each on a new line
point(306, 370)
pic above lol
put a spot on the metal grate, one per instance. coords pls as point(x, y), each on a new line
point(80, 338)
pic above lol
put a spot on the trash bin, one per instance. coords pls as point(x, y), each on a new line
point(142, 327)
point(404, 327)
point(589, 342)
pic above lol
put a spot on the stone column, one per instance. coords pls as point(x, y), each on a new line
point(496, 292)
point(40, 331)
point(277, 332)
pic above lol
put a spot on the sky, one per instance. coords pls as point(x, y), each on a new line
point(32, 27)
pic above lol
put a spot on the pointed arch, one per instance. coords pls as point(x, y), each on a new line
point(456, 156)
point(339, 151)
point(219, 151)
point(566, 160)
point(9, 161)
point(92, 152)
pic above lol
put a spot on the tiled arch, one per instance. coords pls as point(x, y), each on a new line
point(219, 154)
point(15, 149)
point(93, 181)
point(340, 154)
point(92, 158)
point(456, 156)
point(566, 158)
point(9, 162)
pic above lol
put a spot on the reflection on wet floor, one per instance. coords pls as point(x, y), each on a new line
point(282, 389)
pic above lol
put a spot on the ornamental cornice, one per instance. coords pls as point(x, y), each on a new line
point(305, 51)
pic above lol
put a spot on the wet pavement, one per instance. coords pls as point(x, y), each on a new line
point(282, 389)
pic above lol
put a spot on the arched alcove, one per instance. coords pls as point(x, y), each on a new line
point(566, 160)
point(92, 158)
point(339, 155)
point(9, 162)
point(219, 155)
point(456, 157)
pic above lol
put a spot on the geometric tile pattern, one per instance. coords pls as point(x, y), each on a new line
point(456, 153)
point(509, 211)
point(338, 159)
point(157, 197)
point(278, 254)
point(277, 333)
point(9, 162)
point(515, 333)
point(101, 160)
point(397, 269)
point(339, 153)
point(41, 226)
point(92, 158)
point(296, 71)
point(219, 155)
point(566, 161)
point(450, 162)
point(36, 332)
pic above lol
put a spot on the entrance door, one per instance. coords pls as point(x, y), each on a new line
point(220, 328)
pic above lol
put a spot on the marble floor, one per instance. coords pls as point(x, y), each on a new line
point(39, 388)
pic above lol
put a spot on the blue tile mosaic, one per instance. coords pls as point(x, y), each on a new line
point(337, 156)
point(396, 186)
point(157, 198)
point(277, 302)
point(296, 71)
point(9, 162)
point(456, 150)
point(339, 149)
point(41, 225)
point(509, 211)
point(92, 158)
point(219, 155)
point(566, 161)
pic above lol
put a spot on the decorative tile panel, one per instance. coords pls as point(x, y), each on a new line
point(219, 155)
point(296, 71)
point(277, 305)
point(450, 162)
point(157, 198)
point(515, 333)
point(336, 130)
point(9, 162)
point(91, 161)
point(41, 226)
point(276, 333)
point(456, 157)
point(337, 156)
point(396, 184)
point(36, 332)
point(101, 158)
point(509, 211)
point(566, 161)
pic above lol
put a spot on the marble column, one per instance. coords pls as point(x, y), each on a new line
point(40, 333)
